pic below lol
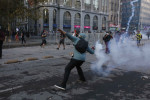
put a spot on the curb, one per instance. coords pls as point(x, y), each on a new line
point(7, 46)
point(12, 61)
point(27, 59)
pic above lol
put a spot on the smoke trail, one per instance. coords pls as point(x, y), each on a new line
point(130, 18)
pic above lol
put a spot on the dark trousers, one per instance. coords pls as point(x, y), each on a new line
point(107, 47)
point(43, 42)
point(73, 63)
point(1, 44)
point(23, 40)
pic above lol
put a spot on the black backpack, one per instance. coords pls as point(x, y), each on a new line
point(81, 46)
point(107, 38)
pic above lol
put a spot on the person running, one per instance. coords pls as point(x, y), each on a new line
point(148, 34)
point(23, 38)
point(43, 39)
point(2, 38)
point(107, 39)
point(139, 37)
point(17, 37)
point(80, 48)
point(62, 41)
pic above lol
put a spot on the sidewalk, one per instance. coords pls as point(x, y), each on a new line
point(36, 41)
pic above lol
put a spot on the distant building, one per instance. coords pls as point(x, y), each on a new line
point(85, 15)
point(114, 15)
point(141, 18)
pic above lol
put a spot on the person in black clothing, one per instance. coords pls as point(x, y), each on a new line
point(148, 34)
point(23, 38)
point(107, 39)
point(62, 39)
point(2, 38)
point(43, 39)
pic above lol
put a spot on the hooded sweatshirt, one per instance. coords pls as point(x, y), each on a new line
point(77, 54)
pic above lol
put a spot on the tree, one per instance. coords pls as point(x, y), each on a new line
point(10, 10)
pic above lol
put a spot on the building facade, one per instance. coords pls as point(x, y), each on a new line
point(140, 20)
point(144, 18)
point(85, 15)
point(114, 14)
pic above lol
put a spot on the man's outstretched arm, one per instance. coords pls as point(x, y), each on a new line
point(72, 38)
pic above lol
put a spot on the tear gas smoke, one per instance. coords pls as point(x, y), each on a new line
point(123, 55)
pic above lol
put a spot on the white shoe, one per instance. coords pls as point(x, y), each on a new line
point(59, 87)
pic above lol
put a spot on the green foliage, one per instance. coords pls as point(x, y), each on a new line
point(10, 10)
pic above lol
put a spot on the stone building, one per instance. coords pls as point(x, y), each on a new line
point(141, 18)
point(85, 15)
point(114, 14)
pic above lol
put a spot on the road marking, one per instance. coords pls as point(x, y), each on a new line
point(10, 89)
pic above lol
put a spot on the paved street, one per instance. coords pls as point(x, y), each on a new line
point(37, 69)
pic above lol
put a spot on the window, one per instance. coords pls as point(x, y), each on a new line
point(68, 3)
point(78, 4)
point(87, 5)
point(95, 3)
point(67, 21)
point(77, 19)
point(45, 18)
point(95, 23)
point(87, 20)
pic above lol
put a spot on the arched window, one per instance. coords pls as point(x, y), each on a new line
point(67, 22)
point(68, 3)
point(87, 23)
point(77, 21)
point(104, 23)
point(45, 19)
point(95, 23)
point(88, 5)
point(54, 20)
point(78, 4)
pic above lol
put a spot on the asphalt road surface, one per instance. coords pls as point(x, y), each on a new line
point(35, 79)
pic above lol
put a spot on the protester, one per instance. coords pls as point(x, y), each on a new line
point(23, 38)
point(43, 35)
point(117, 36)
point(17, 37)
point(2, 38)
point(107, 39)
point(62, 40)
point(81, 46)
point(6, 35)
point(148, 34)
point(139, 37)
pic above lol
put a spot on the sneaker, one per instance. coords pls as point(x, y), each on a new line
point(57, 48)
point(64, 48)
point(60, 87)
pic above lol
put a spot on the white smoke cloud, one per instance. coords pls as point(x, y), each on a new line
point(123, 55)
